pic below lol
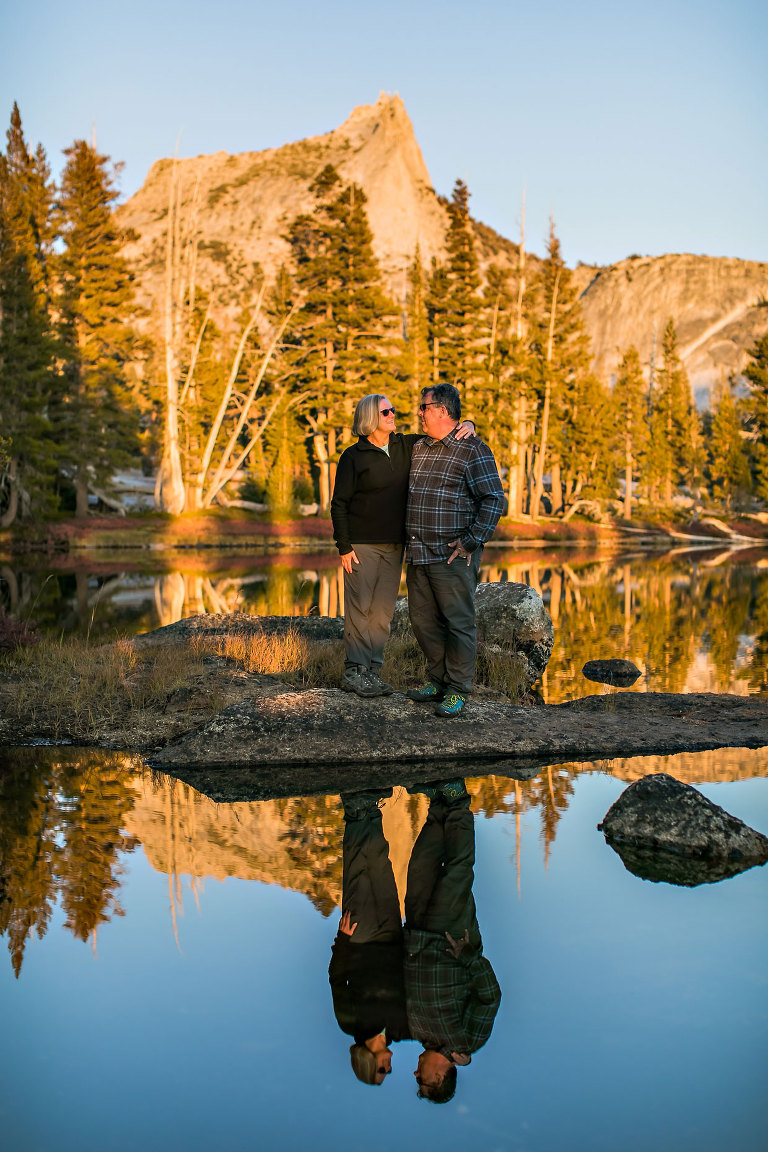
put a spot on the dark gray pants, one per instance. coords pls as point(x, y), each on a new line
point(441, 604)
point(441, 873)
point(370, 592)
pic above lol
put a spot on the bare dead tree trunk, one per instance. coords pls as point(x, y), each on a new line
point(539, 490)
point(521, 272)
point(169, 486)
point(628, 470)
point(11, 481)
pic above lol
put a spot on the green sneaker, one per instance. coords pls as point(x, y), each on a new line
point(429, 693)
point(451, 704)
point(452, 790)
point(428, 790)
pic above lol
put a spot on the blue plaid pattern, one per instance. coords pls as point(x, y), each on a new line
point(452, 1003)
point(454, 493)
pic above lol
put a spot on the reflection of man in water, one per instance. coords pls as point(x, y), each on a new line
point(452, 993)
point(366, 970)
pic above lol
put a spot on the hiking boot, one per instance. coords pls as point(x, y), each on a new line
point(428, 790)
point(358, 805)
point(452, 790)
point(450, 705)
point(356, 679)
point(429, 693)
point(383, 689)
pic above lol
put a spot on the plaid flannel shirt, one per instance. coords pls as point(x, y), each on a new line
point(454, 493)
point(452, 1003)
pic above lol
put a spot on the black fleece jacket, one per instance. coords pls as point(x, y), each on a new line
point(371, 492)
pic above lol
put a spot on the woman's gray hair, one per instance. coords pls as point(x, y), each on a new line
point(364, 1062)
point(367, 414)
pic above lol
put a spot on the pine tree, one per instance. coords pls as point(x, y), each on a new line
point(674, 449)
point(728, 465)
point(416, 361)
point(96, 294)
point(630, 408)
point(560, 353)
point(27, 345)
point(756, 375)
point(344, 335)
point(286, 460)
point(94, 807)
point(455, 304)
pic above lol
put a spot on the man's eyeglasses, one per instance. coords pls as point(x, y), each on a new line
point(387, 412)
point(429, 404)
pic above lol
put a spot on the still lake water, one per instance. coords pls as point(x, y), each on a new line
point(166, 979)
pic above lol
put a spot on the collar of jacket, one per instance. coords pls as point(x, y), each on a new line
point(364, 442)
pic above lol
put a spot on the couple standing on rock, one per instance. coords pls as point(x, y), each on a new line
point(438, 494)
point(427, 980)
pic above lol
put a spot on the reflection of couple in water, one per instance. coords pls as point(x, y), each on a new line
point(426, 981)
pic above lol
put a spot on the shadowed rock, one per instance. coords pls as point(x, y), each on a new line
point(618, 673)
point(685, 871)
point(659, 820)
point(328, 727)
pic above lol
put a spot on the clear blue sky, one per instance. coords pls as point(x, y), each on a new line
point(641, 127)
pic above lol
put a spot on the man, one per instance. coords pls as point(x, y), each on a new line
point(455, 499)
point(452, 994)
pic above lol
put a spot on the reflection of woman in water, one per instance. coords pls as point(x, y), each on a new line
point(368, 513)
point(366, 969)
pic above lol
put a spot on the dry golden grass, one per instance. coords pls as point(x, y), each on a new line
point(71, 683)
point(73, 686)
point(266, 655)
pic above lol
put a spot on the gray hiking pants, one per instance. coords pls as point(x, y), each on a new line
point(370, 592)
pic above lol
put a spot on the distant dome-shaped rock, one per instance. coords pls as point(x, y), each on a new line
point(618, 673)
point(658, 817)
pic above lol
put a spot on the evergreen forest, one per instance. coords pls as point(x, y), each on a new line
point(256, 413)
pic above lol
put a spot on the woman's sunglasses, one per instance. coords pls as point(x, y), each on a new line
point(387, 412)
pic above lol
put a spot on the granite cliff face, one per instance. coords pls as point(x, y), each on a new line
point(718, 306)
point(241, 206)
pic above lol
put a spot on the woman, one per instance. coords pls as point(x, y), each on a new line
point(368, 513)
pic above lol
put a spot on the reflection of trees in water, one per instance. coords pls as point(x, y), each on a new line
point(60, 839)
point(682, 618)
point(548, 793)
point(313, 837)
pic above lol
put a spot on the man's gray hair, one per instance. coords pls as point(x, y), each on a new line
point(446, 395)
point(367, 414)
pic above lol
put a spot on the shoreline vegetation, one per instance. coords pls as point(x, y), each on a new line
point(226, 530)
point(131, 695)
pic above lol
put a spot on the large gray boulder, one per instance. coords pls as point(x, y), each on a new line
point(510, 617)
point(659, 820)
point(212, 626)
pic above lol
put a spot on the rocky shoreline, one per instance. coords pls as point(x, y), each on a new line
point(285, 741)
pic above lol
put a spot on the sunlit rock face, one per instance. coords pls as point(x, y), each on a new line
point(241, 206)
point(714, 303)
